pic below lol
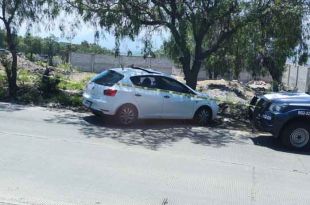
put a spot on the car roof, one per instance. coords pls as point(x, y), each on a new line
point(138, 71)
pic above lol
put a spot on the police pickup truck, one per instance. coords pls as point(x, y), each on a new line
point(285, 115)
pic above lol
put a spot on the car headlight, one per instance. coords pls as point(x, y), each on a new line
point(277, 107)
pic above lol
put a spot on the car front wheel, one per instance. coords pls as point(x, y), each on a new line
point(203, 116)
point(127, 115)
point(296, 136)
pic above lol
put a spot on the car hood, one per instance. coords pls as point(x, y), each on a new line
point(203, 95)
point(288, 97)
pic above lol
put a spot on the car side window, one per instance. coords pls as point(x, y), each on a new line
point(172, 85)
point(144, 81)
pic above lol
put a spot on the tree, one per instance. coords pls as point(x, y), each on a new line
point(13, 13)
point(203, 25)
point(264, 44)
point(2, 39)
point(51, 48)
point(33, 45)
point(280, 36)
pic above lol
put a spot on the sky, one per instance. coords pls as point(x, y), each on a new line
point(85, 31)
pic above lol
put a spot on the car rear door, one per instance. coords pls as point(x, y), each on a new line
point(178, 99)
point(147, 97)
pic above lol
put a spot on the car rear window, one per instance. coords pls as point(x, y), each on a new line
point(108, 78)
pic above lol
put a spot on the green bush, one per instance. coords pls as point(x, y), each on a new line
point(2, 78)
point(49, 85)
point(3, 90)
point(3, 93)
point(29, 94)
point(67, 99)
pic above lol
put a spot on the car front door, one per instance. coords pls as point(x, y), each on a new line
point(147, 97)
point(178, 99)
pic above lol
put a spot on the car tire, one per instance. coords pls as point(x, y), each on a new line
point(127, 115)
point(203, 116)
point(296, 136)
point(97, 113)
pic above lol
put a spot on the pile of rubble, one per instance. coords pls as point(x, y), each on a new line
point(228, 91)
point(28, 65)
point(231, 91)
point(259, 85)
point(23, 63)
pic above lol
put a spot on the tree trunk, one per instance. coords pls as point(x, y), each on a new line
point(210, 73)
point(275, 73)
point(12, 80)
point(12, 72)
point(191, 76)
point(50, 60)
point(31, 56)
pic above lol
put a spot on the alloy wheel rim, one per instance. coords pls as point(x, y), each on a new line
point(299, 137)
point(203, 117)
point(127, 116)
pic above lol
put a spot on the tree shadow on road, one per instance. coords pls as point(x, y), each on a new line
point(274, 144)
point(151, 134)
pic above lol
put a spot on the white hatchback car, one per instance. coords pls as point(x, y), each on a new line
point(135, 93)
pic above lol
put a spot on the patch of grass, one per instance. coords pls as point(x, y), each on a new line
point(32, 95)
point(65, 66)
point(71, 85)
point(41, 63)
point(25, 77)
point(36, 90)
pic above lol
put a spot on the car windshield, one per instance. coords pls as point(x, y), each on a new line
point(108, 78)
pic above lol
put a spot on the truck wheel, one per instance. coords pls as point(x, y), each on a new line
point(203, 116)
point(127, 115)
point(296, 136)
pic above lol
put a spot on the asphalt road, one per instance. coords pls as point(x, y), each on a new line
point(61, 157)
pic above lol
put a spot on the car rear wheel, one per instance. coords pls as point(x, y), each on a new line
point(203, 116)
point(97, 113)
point(296, 136)
point(127, 115)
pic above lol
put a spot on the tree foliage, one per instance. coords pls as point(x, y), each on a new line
point(262, 45)
point(14, 13)
point(51, 46)
point(198, 27)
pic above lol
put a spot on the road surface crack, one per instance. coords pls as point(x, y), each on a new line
point(253, 187)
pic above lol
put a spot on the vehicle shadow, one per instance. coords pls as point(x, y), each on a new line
point(274, 144)
point(151, 134)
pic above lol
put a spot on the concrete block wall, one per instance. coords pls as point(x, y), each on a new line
point(297, 77)
point(98, 63)
point(294, 77)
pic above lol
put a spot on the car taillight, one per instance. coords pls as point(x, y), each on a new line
point(110, 92)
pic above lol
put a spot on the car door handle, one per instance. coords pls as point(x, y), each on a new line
point(138, 95)
point(166, 96)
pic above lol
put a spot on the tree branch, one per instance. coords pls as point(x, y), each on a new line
point(17, 4)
